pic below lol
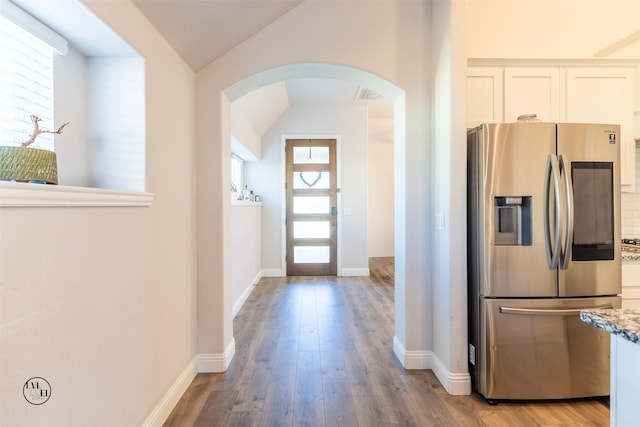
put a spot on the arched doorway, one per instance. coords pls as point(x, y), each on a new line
point(330, 71)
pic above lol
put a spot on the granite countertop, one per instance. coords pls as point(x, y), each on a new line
point(618, 321)
point(630, 256)
point(630, 252)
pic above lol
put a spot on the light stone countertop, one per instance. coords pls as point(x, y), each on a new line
point(619, 321)
point(630, 256)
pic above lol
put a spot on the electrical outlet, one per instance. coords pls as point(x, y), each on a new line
point(472, 354)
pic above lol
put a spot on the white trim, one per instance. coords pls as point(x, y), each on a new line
point(458, 384)
point(163, 409)
point(18, 194)
point(216, 362)
point(453, 383)
point(245, 203)
point(28, 23)
point(345, 272)
point(245, 294)
point(283, 205)
point(411, 359)
point(567, 62)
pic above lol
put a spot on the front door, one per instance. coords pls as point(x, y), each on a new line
point(311, 219)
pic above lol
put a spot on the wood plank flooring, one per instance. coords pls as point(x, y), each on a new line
point(317, 351)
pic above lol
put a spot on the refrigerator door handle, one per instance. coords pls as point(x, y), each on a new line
point(565, 255)
point(552, 248)
point(549, 311)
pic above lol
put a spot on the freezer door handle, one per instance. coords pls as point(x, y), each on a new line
point(565, 255)
point(549, 311)
point(552, 248)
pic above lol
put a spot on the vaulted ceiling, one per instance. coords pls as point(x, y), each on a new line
point(200, 31)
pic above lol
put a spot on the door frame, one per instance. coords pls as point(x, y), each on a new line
point(283, 197)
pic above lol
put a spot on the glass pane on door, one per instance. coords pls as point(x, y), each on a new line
point(311, 230)
point(307, 155)
point(315, 180)
point(311, 254)
point(311, 205)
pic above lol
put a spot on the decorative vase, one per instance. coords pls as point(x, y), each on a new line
point(25, 164)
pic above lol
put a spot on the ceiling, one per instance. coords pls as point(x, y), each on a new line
point(200, 31)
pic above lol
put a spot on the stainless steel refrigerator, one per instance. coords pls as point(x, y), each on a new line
point(544, 243)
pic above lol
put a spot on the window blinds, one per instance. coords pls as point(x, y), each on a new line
point(26, 85)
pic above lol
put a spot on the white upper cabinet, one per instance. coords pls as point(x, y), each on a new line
point(534, 90)
point(606, 95)
point(577, 92)
point(484, 95)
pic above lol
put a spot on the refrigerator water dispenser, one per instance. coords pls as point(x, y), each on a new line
point(512, 220)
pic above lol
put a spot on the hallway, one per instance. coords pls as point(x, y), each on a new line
point(317, 351)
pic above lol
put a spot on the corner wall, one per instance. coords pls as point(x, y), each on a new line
point(449, 244)
point(102, 301)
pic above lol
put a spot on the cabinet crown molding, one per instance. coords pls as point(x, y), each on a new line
point(556, 62)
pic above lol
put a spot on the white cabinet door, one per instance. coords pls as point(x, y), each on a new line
point(484, 95)
point(532, 90)
point(606, 95)
point(625, 382)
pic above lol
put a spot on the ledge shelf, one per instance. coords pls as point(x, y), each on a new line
point(24, 195)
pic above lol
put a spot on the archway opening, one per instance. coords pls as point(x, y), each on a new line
point(362, 78)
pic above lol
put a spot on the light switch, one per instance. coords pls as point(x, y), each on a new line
point(440, 221)
point(347, 211)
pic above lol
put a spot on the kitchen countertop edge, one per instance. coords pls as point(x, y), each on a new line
point(623, 322)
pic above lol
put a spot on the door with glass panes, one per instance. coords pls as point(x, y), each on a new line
point(311, 219)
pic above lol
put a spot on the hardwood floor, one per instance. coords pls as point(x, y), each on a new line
point(317, 351)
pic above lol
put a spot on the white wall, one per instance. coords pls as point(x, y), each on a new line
point(246, 250)
point(247, 141)
point(116, 132)
point(70, 98)
point(448, 182)
point(548, 28)
point(102, 301)
point(349, 125)
point(380, 189)
point(631, 206)
point(103, 99)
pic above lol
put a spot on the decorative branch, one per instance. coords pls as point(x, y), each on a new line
point(37, 131)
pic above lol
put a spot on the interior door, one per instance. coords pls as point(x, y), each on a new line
point(311, 217)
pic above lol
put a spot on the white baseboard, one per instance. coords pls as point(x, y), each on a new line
point(216, 362)
point(345, 272)
point(456, 384)
point(201, 363)
point(411, 359)
point(245, 294)
point(272, 272)
point(453, 383)
point(163, 409)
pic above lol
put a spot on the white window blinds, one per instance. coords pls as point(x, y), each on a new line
point(26, 85)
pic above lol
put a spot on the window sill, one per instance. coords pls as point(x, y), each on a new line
point(245, 203)
point(23, 195)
